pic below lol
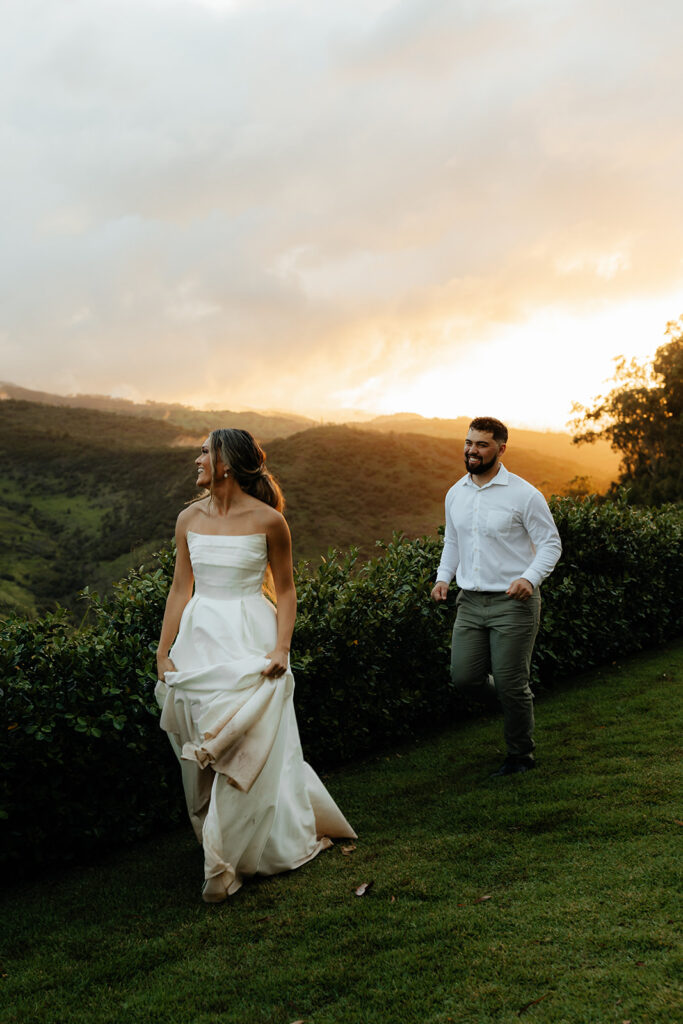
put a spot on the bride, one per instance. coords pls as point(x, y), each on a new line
point(225, 684)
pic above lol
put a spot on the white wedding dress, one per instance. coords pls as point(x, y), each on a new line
point(256, 806)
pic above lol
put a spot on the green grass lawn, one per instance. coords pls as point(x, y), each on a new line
point(547, 897)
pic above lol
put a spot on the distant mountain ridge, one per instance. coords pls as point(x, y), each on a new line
point(199, 421)
point(597, 461)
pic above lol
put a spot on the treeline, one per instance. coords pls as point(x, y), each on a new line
point(86, 765)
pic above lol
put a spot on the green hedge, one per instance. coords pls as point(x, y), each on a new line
point(85, 763)
point(370, 651)
point(617, 589)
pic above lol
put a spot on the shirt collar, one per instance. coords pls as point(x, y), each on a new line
point(502, 477)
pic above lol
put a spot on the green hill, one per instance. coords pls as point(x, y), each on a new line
point(597, 461)
point(347, 485)
point(83, 496)
point(86, 494)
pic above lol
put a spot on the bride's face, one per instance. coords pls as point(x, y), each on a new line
point(203, 464)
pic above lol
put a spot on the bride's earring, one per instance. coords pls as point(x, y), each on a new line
point(226, 474)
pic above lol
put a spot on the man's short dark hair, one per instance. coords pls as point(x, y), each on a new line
point(491, 426)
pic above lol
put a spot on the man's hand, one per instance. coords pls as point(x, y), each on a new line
point(520, 589)
point(440, 592)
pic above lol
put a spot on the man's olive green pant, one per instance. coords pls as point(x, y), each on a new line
point(494, 633)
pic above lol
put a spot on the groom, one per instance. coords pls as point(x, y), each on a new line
point(500, 543)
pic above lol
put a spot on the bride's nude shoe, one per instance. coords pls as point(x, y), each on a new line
point(211, 893)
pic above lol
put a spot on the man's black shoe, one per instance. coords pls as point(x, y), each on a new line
point(514, 765)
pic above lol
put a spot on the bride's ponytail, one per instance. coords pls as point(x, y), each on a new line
point(247, 461)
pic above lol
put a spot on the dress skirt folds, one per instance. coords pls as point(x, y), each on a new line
point(254, 803)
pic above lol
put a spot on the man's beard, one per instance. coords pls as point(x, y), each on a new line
point(480, 467)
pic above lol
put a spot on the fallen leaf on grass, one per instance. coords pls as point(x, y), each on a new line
point(362, 889)
point(482, 899)
point(298, 1022)
point(393, 899)
point(677, 821)
point(346, 850)
point(640, 963)
point(260, 920)
point(533, 1002)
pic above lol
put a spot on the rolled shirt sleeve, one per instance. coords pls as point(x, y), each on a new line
point(450, 555)
point(541, 528)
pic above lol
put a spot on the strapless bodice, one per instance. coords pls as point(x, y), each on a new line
point(227, 568)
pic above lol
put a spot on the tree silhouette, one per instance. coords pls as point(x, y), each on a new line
point(642, 419)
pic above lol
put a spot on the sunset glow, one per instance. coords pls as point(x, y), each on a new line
point(371, 207)
point(529, 374)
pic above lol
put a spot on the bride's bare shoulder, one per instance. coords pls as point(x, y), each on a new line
point(268, 518)
point(192, 514)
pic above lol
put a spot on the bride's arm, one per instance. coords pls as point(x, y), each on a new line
point(280, 558)
point(178, 596)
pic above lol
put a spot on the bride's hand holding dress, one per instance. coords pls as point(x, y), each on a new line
point(164, 665)
point(278, 664)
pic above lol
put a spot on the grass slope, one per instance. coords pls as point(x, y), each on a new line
point(549, 896)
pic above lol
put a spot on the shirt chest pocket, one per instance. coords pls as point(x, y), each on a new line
point(498, 522)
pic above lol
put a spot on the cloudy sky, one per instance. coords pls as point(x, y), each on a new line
point(452, 208)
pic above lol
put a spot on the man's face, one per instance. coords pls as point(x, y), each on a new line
point(481, 451)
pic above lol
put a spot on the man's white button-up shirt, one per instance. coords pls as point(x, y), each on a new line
point(497, 533)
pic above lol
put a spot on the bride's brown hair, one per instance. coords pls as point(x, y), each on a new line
point(246, 460)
